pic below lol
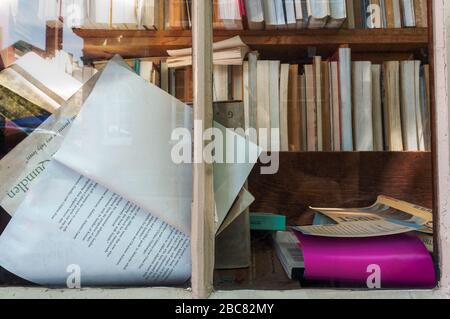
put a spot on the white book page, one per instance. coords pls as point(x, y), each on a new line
point(118, 149)
point(69, 222)
point(122, 140)
point(231, 43)
point(230, 177)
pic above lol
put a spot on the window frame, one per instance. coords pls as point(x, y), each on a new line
point(203, 212)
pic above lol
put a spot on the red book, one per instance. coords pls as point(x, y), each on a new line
point(243, 13)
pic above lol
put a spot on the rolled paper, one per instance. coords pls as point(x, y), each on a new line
point(400, 261)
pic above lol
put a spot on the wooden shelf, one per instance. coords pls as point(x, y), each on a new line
point(341, 179)
point(103, 44)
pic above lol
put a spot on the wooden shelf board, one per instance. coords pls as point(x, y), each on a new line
point(102, 44)
point(341, 179)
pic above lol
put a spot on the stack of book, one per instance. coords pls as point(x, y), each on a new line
point(339, 105)
point(334, 104)
point(329, 105)
point(257, 14)
point(361, 106)
point(122, 14)
point(174, 73)
point(312, 14)
point(388, 14)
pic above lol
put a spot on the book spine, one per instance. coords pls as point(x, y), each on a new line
point(345, 97)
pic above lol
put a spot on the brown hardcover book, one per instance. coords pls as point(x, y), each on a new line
point(318, 97)
point(335, 106)
point(161, 11)
point(184, 85)
point(357, 13)
point(189, 84)
point(218, 23)
point(421, 13)
point(294, 112)
point(7, 56)
point(176, 15)
point(326, 108)
point(350, 23)
point(390, 16)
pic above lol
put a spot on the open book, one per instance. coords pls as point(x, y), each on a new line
point(111, 200)
point(227, 52)
point(387, 216)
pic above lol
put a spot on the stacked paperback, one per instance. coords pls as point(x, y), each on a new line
point(247, 14)
point(332, 104)
point(340, 105)
point(301, 14)
point(379, 246)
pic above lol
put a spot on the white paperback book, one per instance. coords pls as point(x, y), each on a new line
point(300, 13)
point(255, 14)
point(409, 93)
point(270, 14)
point(274, 87)
point(338, 14)
point(291, 20)
point(279, 9)
point(112, 202)
point(362, 106)
point(318, 13)
point(288, 250)
point(346, 99)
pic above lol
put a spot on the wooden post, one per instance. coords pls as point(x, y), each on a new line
point(441, 117)
point(202, 237)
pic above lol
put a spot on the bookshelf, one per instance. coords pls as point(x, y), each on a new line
point(341, 179)
point(100, 44)
point(338, 179)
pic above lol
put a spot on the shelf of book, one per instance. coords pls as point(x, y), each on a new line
point(101, 44)
point(341, 179)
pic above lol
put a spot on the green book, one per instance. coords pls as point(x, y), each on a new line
point(267, 221)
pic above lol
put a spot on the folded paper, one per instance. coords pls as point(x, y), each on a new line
point(112, 202)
